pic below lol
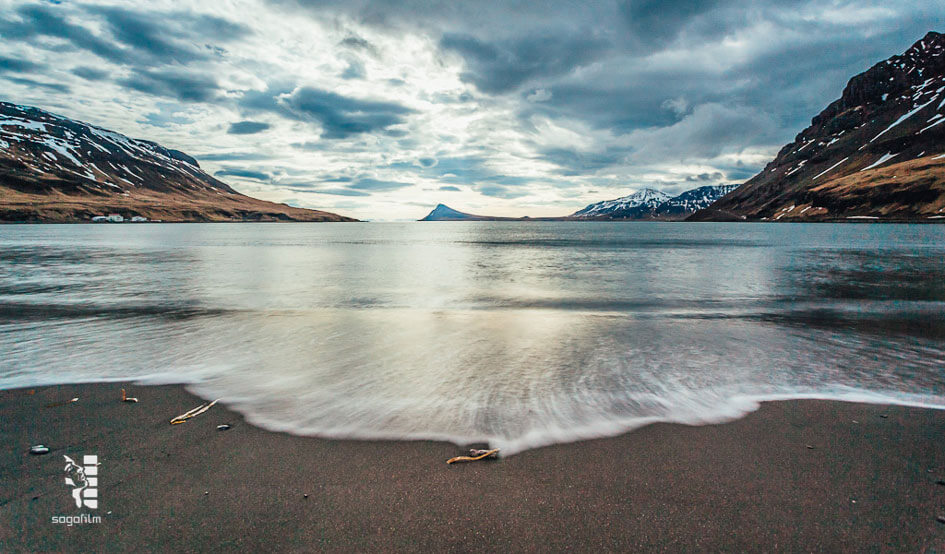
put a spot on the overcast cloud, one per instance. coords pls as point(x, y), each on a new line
point(372, 108)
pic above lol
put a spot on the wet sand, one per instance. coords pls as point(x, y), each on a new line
point(793, 476)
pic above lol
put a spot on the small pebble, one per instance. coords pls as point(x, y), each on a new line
point(305, 495)
point(884, 416)
point(940, 482)
point(941, 519)
point(39, 450)
point(206, 493)
point(810, 447)
point(223, 427)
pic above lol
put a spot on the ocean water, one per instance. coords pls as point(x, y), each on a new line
point(518, 334)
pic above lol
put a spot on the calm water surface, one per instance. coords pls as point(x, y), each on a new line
point(521, 334)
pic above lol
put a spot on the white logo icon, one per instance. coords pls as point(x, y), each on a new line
point(84, 481)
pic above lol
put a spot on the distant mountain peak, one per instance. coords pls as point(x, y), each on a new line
point(631, 206)
point(442, 211)
point(649, 203)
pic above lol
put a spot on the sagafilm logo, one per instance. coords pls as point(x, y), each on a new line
point(84, 480)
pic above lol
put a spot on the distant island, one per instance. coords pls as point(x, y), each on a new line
point(58, 170)
point(442, 212)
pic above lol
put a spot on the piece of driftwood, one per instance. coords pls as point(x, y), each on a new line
point(193, 413)
point(63, 403)
point(126, 398)
point(475, 455)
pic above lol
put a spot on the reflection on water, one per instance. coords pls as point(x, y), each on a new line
point(521, 334)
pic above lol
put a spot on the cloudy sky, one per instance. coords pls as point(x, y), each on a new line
point(381, 109)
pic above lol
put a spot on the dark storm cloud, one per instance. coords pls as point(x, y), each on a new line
point(173, 83)
point(503, 66)
point(247, 127)
point(703, 177)
point(32, 22)
point(340, 192)
point(358, 43)
point(368, 184)
point(578, 163)
point(147, 34)
point(148, 42)
point(339, 116)
point(54, 87)
point(318, 188)
point(461, 170)
point(659, 21)
point(233, 156)
point(246, 173)
point(90, 73)
point(499, 191)
point(18, 65)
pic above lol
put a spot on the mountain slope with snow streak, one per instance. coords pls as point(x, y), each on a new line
point(55, 169)
point(874, 154)
point(633, 206)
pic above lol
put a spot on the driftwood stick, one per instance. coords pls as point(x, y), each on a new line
point(63, 403)
point(184, 416)
point(481, 454)
point(193, 413)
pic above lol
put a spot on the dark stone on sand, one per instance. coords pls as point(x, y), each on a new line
point(884, 416)
point(940, 519)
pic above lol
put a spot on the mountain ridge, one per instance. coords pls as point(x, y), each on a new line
point(633, 206)
point(875, 153)
point(56, 169)
point(643, 205)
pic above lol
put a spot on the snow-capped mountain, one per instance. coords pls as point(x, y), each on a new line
point(633, 206)
point(689, 202)
point(654, 204)
point(877, 152)
point(57, 169)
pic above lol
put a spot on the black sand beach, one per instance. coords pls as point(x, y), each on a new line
point(793, 476)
